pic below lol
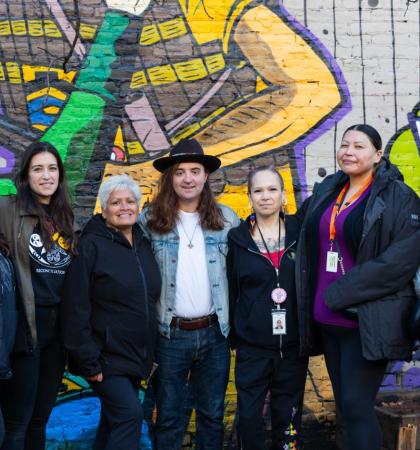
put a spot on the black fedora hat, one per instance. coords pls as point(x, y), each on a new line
point(187, 150)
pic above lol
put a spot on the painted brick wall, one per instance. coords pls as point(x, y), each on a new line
point(254, 81)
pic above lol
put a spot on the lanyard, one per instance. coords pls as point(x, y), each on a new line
point(268, 251)
point(339, 207)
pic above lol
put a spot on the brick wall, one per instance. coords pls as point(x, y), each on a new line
point(255, 82)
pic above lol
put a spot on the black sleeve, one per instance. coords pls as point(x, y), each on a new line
point(301, 212)
point(388, 272)
point(233, 290)
point(76, 311)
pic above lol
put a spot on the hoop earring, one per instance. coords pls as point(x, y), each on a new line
point(283, 204)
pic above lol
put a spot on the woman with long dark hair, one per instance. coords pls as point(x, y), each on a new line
point(356, 257)
point(38, 224)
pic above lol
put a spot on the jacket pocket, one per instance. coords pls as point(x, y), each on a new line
point(256, 323)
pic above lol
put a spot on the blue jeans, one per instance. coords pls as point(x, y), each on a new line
point(202, 358)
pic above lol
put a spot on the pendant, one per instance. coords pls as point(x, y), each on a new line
point(190, 245)
point(278, 295)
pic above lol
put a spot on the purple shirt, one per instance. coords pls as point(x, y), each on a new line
point(322, 313)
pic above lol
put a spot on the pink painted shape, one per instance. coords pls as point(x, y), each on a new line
point(146, 125)
point(175, 124)
point(68, 30)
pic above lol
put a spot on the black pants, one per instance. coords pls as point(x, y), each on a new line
point(356, 382)
point(121, 413)
point(29, 396)
point(285, 379)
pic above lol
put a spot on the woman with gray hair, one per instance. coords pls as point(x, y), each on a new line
point(109, 321)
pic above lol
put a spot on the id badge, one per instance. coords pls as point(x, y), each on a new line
point(332, 262)
point(278, 317)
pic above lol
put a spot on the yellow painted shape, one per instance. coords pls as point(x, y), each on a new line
point(29, 73)
point(162, 74)
point(236, 197)
point(211, 20)
point(39, 127)
point(119, 139)
point(185, 132)
point(405, 155)
point(232, 19)
point(191, 70)
point(51, 110)
point(149, 35)
point(35, 28)
point(52, 91)
point(87, 31)
point(138, 79)
point(5, 29)
point(135, 148)
point(51, 29)
point(2, 76)
point(260, 85)
point(214, 63)
point(172, 29)
point(71, 385)
point(13, 72)
point(19, 27)
point(212, 116)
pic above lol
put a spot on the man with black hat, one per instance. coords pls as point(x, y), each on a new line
point(188, 231)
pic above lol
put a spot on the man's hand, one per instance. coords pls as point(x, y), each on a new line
point(98, 377)
point(135, 7)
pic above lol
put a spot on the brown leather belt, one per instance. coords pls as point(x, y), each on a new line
point(193, 324)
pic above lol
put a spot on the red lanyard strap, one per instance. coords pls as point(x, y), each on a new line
point(339, 207)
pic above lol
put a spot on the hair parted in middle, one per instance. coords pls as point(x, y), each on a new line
point(117, 183)
point(60, 206)
point(163, 210)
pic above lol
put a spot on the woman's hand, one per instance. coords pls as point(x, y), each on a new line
point(98, 377)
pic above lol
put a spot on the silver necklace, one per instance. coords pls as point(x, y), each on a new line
point(190, 244)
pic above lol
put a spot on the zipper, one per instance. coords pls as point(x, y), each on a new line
point(146, 297)
point(20, 227)
point(277, 279)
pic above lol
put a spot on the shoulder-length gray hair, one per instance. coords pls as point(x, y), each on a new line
point(117, 183)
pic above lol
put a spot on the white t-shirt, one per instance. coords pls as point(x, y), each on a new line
point(192, 298)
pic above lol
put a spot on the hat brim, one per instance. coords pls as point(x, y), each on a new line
point(211, 163)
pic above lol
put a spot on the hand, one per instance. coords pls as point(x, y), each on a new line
point(135, 7)
point(98, 377)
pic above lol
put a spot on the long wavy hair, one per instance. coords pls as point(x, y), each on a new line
point(163, 210)
point(60, 214)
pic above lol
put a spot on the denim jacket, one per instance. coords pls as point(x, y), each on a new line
point(165, 248)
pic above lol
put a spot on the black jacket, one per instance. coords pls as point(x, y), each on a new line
point(387, 257)
point(108, 309)
point(8, 314)
point(252, 278)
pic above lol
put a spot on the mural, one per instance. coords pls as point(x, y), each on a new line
point(114, 84)
point(114, 91)
point(404, 149)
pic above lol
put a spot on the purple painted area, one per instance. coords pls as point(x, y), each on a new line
point(336, 116)
point(9, 157)
point(411, 378)
point(401, 375)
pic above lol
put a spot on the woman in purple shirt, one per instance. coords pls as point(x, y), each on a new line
point(354, 265)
